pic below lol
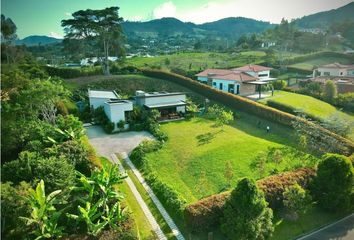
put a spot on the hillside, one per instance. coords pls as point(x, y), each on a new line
point(324, 19)
point(37, 40)
point(227, 27)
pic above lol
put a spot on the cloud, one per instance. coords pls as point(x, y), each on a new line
point(167, 9)
point(55, 35)
point(68, 14)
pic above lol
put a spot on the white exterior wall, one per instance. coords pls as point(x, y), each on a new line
point(264, 72)
point(164, 99)
point(333, 71)
point(225, 84)
point(181, 109)
point(203, 79)
point(350, 72)
point(97, 102)
point(116, 111)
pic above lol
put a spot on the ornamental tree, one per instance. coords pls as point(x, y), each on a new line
point(246, 214)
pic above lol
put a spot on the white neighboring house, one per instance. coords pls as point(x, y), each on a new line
point(334, 70)
point(236, 80)
point(115, 108)
point(93, 60)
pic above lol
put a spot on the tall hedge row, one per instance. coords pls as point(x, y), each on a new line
point(238, 102)
point(206, 213)
point(71, 72)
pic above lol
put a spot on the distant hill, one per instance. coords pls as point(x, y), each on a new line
point(324, 19)
point(227, 27)
point(36, 40)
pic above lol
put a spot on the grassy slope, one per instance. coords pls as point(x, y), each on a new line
point(182, 159)
point(310, 106)
point(199, 60)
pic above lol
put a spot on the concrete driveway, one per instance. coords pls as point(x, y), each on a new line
point(106, 144)
point(342, 229)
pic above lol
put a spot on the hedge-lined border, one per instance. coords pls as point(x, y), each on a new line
point(238, 102)
point(205, 214)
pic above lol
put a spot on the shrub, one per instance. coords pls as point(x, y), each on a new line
point(101, 118)
point(246, 214)
point(238, 102)
point(333, 184)
point(296, 199)
point(346, 101)
point(13, 205)
point(279, 84)
point(206, 213)
point(120, 125)
point(330, 91)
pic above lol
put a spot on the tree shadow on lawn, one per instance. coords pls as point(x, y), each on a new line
point(207, 137)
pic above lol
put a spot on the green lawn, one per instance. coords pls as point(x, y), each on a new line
point(310, 105)
point(195, 168)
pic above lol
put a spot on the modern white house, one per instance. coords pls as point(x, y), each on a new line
point(115, 108)
point(170, 105)
point(237, 80)
point(334, 70)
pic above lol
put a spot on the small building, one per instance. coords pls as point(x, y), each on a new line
point(170, 105)
point(98, 97)
point(235, 80)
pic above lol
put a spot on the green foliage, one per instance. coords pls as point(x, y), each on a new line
point(206, 213)
point(245, 214)
point(13, 205)
point(346, 101)
point(44, 216)
point(101, 117)
point(99, 201)
point(192, 108)
point(296, 199)
point(31, 167)
point(279, 84)
point(334, 182)
point(121, 124)
point(220, 115)
point(330, 91)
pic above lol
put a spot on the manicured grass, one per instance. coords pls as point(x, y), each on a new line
point(195, 168)
point(310, 106)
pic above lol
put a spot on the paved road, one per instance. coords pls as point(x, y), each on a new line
point(343, 229)
point(106, 144)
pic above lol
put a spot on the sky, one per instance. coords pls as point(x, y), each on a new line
point(42, 17)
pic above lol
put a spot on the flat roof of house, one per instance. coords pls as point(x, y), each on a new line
point(158, 94)
point(258, 83)
point(169, 104)
point(103, 94)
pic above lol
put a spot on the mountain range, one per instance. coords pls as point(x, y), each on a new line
point(232, 27)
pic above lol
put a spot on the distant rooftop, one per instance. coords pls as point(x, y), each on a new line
point(103, 94)
point(252, 68)
point(118, 101)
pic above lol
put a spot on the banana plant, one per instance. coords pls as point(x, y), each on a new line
point(44, 216)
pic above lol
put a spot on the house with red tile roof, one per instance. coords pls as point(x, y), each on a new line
point(236, 80)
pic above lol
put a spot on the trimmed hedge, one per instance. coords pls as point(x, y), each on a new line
point(238, 102)
point(205, 214)
point(71, 72)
